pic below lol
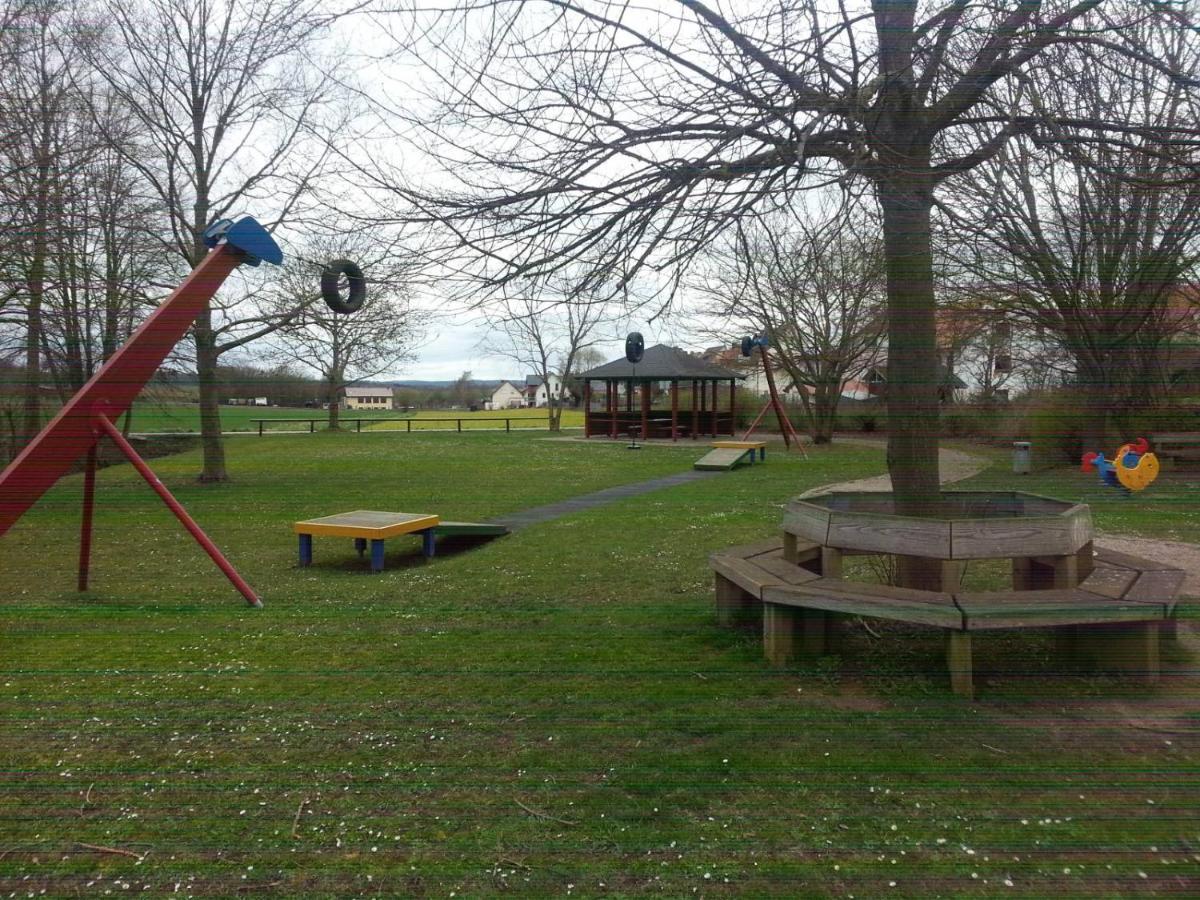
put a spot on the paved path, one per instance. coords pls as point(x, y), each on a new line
point(518, 520)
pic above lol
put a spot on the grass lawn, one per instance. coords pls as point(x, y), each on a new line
point(552, 713)
point(151, 416)
point(1169, 508)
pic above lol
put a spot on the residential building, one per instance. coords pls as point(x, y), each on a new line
point(506, 396)
point(537, 393)
point(366, 397)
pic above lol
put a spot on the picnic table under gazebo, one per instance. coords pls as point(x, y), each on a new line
point(678, 395)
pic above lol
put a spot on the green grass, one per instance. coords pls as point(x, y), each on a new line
point(1169, 508)
point(553, 713)
point(151, 416)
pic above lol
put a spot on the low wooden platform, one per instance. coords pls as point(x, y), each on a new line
point(796, 589)
point(724, 458)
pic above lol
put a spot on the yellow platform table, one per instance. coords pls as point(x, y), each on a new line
point(367, 525)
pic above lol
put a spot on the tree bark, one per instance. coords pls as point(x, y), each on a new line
point(210, 411)
point(907, 205)
point(331, 400)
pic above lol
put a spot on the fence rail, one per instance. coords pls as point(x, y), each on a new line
point(312, 423)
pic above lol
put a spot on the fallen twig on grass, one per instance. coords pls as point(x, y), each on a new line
point(868, 629)
point(296, 820)
point(542, 815)
point(994, 749)
point(100, 848)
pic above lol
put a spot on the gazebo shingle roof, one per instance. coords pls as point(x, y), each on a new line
point(661, 363)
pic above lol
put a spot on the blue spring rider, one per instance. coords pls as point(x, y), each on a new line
point(1133, 468)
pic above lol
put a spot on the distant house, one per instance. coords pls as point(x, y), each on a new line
point(535, 392)
point(369, 397)
point(507, 396)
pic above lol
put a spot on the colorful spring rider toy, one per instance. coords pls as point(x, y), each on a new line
point(1133, 468)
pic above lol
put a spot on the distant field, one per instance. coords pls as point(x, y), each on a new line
point(185, 417)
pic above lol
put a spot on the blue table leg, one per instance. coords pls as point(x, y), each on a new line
point(427, 544)
point(762, 454)
point(376, 555)
point(360, 544)
point(306, 550)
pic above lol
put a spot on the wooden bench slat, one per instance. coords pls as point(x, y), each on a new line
point(1129, 561)
point(831, 596)
point(745, 574)
point(1157, 587)
point(1109, 581)
point(1035, 609)
point(784, 570)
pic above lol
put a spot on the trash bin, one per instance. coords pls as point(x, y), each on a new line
point(1022, 457)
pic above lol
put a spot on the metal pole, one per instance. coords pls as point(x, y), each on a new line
point(85, 525)
point(180, 513)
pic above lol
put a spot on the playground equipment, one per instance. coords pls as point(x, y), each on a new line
point(785, 424)
point(331, 276)
point(1133, 468)
point(727, 455)
point(635, 349)
point(376, 526)
point(90, 414)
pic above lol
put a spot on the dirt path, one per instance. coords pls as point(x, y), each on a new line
point(954, 466)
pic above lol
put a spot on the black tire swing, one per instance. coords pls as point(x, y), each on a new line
point(635, 347)
point(332, 275)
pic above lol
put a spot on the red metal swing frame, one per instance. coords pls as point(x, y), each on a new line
point(90, 414)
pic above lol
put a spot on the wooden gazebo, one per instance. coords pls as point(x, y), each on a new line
point(678, 396)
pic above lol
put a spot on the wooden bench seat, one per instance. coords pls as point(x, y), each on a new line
point(799, 605)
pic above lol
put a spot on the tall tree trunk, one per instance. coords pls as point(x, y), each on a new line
point(37, 284)
point(824, 413)
point(912, 378)
point(331, 401)
point(210, 410)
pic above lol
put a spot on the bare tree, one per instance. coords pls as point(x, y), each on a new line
point(544, 330)
point(38, 102)
point(1089, 244)
point(609, 131)
point(226, 96)
point(814, 282)
point(345, 349)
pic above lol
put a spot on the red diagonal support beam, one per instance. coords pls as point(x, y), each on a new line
point(111, 390)
point(180, 513)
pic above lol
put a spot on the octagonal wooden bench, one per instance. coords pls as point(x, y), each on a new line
point(1113, 619)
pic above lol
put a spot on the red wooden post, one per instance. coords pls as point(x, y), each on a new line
point(85, 525)
point(703, 405)
point(732, 406)
point(674, 409)
point(645, 410)
point(715, 402)
point(180, 513)
point(695, 417)
point(587, 409)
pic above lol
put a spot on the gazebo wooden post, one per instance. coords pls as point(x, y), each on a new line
point(629, 395)
point(610, 402)
point(645, 410)
point(695, 414)
point(587, 409)
point(703, 404)
point(674, 409)
point(732, 406)
point(715, 404)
